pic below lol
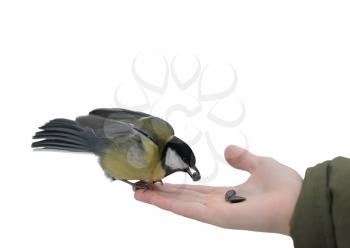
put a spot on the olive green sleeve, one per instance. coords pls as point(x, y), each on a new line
point(322, 214)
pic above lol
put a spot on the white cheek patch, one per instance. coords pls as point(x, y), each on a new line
point(173, 160)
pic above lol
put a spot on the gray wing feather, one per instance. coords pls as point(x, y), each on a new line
point(118, 113)
point(105, 128)
point(136, 120)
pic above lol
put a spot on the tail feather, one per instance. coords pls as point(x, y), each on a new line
point(63, 134)
point(55, 134)
point(55, 142)
point(61, 120)
point(64, 131)
point(59, 139)
point(54, 125)
point(63, 148)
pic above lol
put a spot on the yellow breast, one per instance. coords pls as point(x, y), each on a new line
point(130, 160)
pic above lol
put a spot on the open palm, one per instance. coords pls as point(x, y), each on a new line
point(271, 191)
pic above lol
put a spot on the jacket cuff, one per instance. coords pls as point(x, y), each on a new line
point(311, 225)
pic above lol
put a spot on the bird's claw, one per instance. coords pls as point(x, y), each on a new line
point(142, 185)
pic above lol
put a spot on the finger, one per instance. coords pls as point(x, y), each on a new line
point(162, 199)
point(201, 191)
point(176, 194)
point(195, 188)
point(178, 189)
point(240, 158)
point(189, 209)
point(168, 187)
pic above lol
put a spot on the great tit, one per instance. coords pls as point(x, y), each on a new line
point(130, 145)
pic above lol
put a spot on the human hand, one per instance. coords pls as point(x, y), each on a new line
point(271, 190)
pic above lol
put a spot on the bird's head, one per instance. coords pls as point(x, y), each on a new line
point(178, 156)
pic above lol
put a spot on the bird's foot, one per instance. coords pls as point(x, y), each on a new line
point(139, 184)
point(142, 185)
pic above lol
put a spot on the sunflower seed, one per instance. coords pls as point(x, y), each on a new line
point(229, 194)
point(236, 198)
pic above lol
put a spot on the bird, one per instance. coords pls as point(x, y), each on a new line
point(130, 145)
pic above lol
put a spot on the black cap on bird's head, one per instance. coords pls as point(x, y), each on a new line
point(178, 156)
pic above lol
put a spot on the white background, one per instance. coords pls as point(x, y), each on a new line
point(64, 58)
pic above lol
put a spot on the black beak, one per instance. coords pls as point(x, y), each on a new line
point(194, 173)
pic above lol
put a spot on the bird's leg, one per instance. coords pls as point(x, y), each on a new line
point(139, 184)
point(128, 182)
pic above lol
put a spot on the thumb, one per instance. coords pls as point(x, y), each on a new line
point(240, 158)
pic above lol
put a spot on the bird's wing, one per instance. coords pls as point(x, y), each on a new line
point(118, 113)
point(105, 128)
point(107, 131)
point(124, 152)
point(156, 129)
